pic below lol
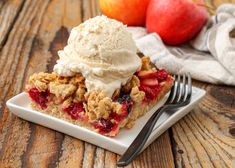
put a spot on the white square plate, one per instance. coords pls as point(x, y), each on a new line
point(20, 106)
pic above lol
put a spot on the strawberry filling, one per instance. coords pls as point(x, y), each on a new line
point(41, 98)
point(104, 125)
point(146, 74)
point(126, 109)
point(74, 110)
point(150, 82)
point(150, 93)
point(161, 75)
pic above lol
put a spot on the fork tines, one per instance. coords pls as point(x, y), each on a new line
point(181, 91)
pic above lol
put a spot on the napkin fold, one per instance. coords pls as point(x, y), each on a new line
point(209, 57)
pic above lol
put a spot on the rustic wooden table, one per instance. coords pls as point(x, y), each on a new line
point(31, 33)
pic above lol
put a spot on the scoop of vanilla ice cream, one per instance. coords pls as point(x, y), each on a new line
point(103, 51)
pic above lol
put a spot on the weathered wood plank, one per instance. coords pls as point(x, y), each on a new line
point(99, 158)
point(31, 38)
point(52, 36)
point(90, 9)
point(72, 153)
point(203, 138)
point(158, 154)
point(13, 61)
point(9, 11)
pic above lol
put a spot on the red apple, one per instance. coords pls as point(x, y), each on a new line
point(130, 12)
point(176, 21)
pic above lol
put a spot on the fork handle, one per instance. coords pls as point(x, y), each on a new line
point(140, 140)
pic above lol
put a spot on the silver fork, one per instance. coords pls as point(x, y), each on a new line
point(180, 96)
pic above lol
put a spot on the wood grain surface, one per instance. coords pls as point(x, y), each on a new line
point(31, 33)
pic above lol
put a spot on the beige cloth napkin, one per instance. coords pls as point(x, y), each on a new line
point(210, 57)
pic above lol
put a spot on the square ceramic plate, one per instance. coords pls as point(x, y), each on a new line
point(20, 106)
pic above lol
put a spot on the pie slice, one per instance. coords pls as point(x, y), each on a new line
point(67, 98)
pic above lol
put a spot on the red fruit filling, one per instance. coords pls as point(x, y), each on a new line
point(74, 110)
point(38, 97)
point(117, 117)
point(161, 75)
point(104, 125)
point(146, 74)
point(150, 93)
point(150, 82)
point(127, 104)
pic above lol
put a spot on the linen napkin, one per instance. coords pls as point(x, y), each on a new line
point(210, 57)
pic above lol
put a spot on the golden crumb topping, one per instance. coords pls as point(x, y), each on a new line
point(98, 105)
point(41, 80)
point(62, 90)
point(137, 95)
point(146, 65)
point(79, 94)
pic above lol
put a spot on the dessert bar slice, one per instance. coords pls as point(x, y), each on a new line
point(67, 98)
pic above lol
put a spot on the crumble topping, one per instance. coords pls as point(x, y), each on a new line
point(146, 65)
point(67, 102)
point(98, 105)
point(104, 108)
point(62, 80)
point(78, 79)
point(41, 80)
point(136, 94)
point(40, 85)
point(117, 107)
point(79, 94)
point(61, 87)
point(62, 90)
point(130, 124)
